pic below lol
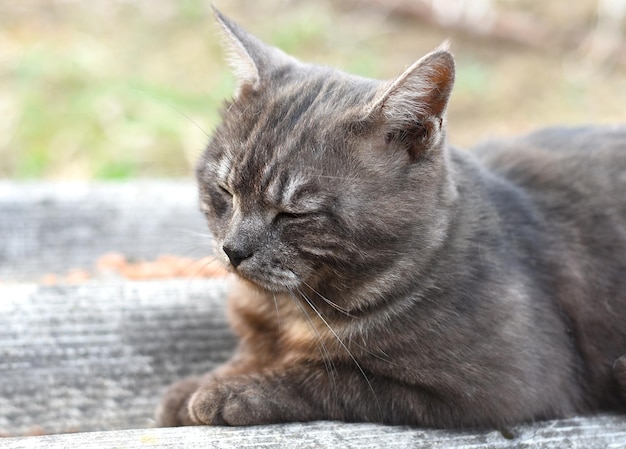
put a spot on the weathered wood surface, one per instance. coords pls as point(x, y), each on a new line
point(54, 227)
point(97, 356)
point(602, 432)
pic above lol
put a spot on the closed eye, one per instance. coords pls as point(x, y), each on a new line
point(288, 216)
point(224, 190)
point(220, 199)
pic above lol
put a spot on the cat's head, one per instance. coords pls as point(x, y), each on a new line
point(316, 177)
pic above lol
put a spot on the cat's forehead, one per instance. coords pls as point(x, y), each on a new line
point(303, 99)
point(277, 180)
point(286, 143)
point(291, 115)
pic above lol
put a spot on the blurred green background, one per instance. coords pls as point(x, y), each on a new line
point(114, 89)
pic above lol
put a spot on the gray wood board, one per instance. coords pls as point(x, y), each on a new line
point(52, 227)
point(599, 432)
point(98, 356)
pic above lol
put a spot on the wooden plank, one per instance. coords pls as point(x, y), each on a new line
point(98, 356)
point(52, 227)
point(599, 432)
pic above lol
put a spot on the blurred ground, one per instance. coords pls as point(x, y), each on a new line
point(119, 88)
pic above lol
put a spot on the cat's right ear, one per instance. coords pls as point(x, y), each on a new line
point(251, 60)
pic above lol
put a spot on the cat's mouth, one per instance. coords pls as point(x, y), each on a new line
point(265, 272)
point(273, 280)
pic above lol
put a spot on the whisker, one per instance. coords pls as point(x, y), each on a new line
point(176, 109)
point(196, 276)
point(384, 357)
point(194, 233)
point(201, 246)
point(321, 346)
point(342, 178)
point(329, 302)
point(277, 313)
point(343, 345)
point(200, 269)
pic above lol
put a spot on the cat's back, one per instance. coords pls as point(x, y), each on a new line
point(571, 185)
point(564, 189)
point(563, 165)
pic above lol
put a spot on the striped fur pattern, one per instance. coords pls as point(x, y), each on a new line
point(385, 276)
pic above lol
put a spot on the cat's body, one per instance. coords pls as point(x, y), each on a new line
point(387, 277)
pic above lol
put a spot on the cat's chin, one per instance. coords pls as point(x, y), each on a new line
point(270, 286)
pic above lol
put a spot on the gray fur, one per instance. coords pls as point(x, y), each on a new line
point(386, 276)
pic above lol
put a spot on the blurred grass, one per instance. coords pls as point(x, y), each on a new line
point(114, 89)
point(96, 93)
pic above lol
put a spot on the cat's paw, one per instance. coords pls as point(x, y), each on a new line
point(173, 410)
point(235, 401)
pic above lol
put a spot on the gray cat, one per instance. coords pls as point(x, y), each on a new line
point(385, 276)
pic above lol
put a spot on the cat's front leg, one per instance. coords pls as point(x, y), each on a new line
point(301, 393)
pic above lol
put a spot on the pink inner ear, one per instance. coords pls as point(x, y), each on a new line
point(442, 79)
point(412, 108)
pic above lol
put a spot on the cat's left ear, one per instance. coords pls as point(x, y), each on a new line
point(251, 60)
point(413, 106)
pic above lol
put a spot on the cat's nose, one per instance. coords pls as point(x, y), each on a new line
point(235, 255)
